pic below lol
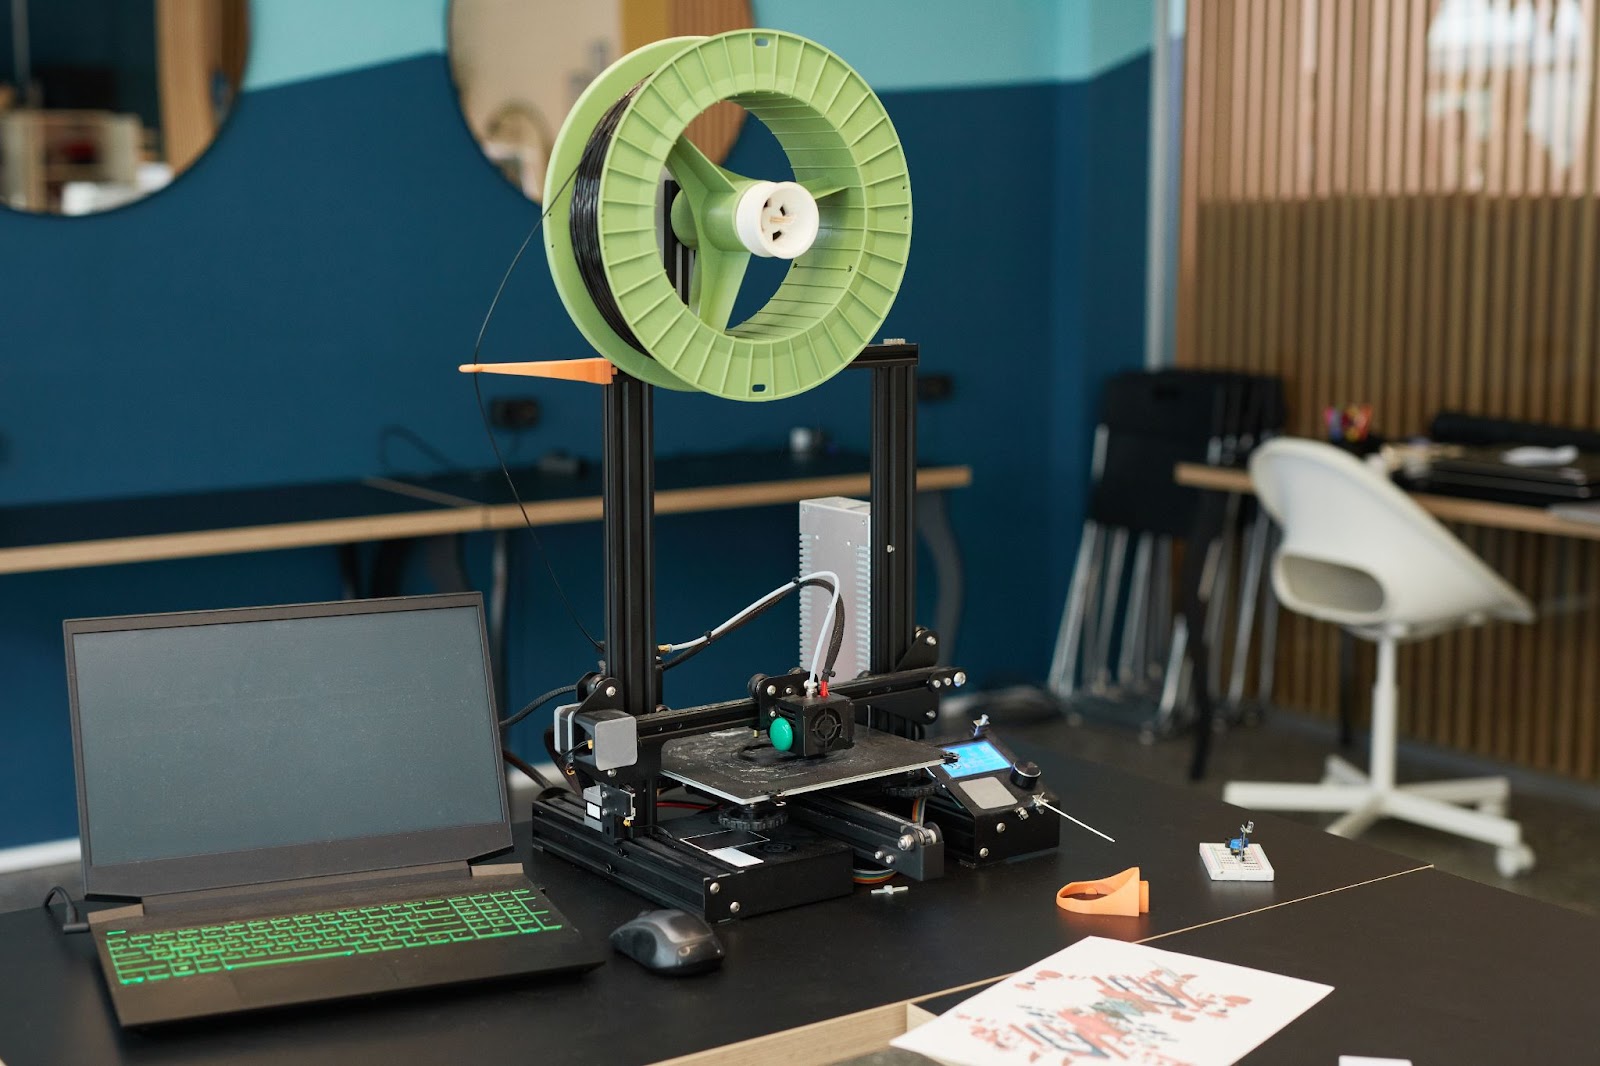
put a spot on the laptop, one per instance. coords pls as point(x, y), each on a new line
point(292, 795)
point(1483, 472)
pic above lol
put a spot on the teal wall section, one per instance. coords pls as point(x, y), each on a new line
point(895, 44)
point(1095, 36)
point(294, 40)
point(319, 272)
point(945, 43)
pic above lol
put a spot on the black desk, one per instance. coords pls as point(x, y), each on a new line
point(1424, 966)
point(784, 970)
point(1428, 967)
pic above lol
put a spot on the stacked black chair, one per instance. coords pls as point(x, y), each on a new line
point(1119, 651)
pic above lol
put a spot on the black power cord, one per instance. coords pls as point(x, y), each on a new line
point(506, 723)
point(535, 704)
point(835, 639)
point(415, 439)
point(74, 923)
point(512, 759)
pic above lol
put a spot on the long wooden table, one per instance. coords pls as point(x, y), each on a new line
point(1521, 518)
point(63, 536)
point(1445, 508)
point(397, 511)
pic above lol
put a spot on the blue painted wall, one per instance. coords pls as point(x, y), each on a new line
point(1101, 158)
point(321, 270)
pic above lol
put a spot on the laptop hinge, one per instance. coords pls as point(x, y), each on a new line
point(497, 869)
point(109, 915)
point(234, 894)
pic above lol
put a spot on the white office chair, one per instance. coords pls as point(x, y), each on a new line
point(1358, 552)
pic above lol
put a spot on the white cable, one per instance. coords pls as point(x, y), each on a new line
point(781, 590)
point(826, 628)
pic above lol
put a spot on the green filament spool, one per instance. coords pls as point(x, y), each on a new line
point(844, 222)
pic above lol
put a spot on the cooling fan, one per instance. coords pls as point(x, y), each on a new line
point(843, 222)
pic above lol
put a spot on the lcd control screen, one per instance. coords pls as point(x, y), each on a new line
point(978, 757)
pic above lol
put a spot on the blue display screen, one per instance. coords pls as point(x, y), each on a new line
point(978, 757)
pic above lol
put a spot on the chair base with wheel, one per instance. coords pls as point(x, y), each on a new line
point(1473, 807)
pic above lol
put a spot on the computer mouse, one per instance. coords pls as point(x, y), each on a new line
point(670, 942)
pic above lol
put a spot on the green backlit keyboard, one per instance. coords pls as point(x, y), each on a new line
point(141, 957)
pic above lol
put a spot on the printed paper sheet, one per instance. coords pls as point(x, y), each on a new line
point(1105, 1001)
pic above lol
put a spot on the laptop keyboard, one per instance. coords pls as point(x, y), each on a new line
point(144, 957)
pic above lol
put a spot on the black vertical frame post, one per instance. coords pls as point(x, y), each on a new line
point(894, 499)
point(628, 431)
point(629, 455)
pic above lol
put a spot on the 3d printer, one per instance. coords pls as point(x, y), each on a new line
point(808, 775)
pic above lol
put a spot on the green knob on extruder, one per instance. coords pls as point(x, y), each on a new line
point(782, 734)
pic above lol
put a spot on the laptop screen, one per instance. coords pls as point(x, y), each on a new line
point(201, 735)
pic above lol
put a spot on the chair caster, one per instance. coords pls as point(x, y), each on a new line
point(1147, 735)
point(1513, 861)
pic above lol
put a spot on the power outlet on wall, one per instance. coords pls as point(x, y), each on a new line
point(935, 388)
point(514, 412)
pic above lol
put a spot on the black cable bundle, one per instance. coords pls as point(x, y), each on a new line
point(835, 638)
point(584, 219)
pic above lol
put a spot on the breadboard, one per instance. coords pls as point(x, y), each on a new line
point(1223, 866)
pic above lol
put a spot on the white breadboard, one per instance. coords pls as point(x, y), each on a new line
point(1222, 866)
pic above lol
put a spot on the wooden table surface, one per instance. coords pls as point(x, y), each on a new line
point(63, 536)
point(1445, 508)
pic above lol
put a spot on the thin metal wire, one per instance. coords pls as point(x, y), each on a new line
point(488, 430)
point(1074, 821)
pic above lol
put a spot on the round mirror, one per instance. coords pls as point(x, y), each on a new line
point(103, 102)
point(519, 66)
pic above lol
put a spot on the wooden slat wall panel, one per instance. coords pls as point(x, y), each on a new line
point(1381, 212)
point(645, 21)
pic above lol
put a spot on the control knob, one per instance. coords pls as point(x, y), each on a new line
point(1025, 775)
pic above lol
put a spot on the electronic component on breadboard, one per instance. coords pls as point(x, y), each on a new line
point(1223, 864)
